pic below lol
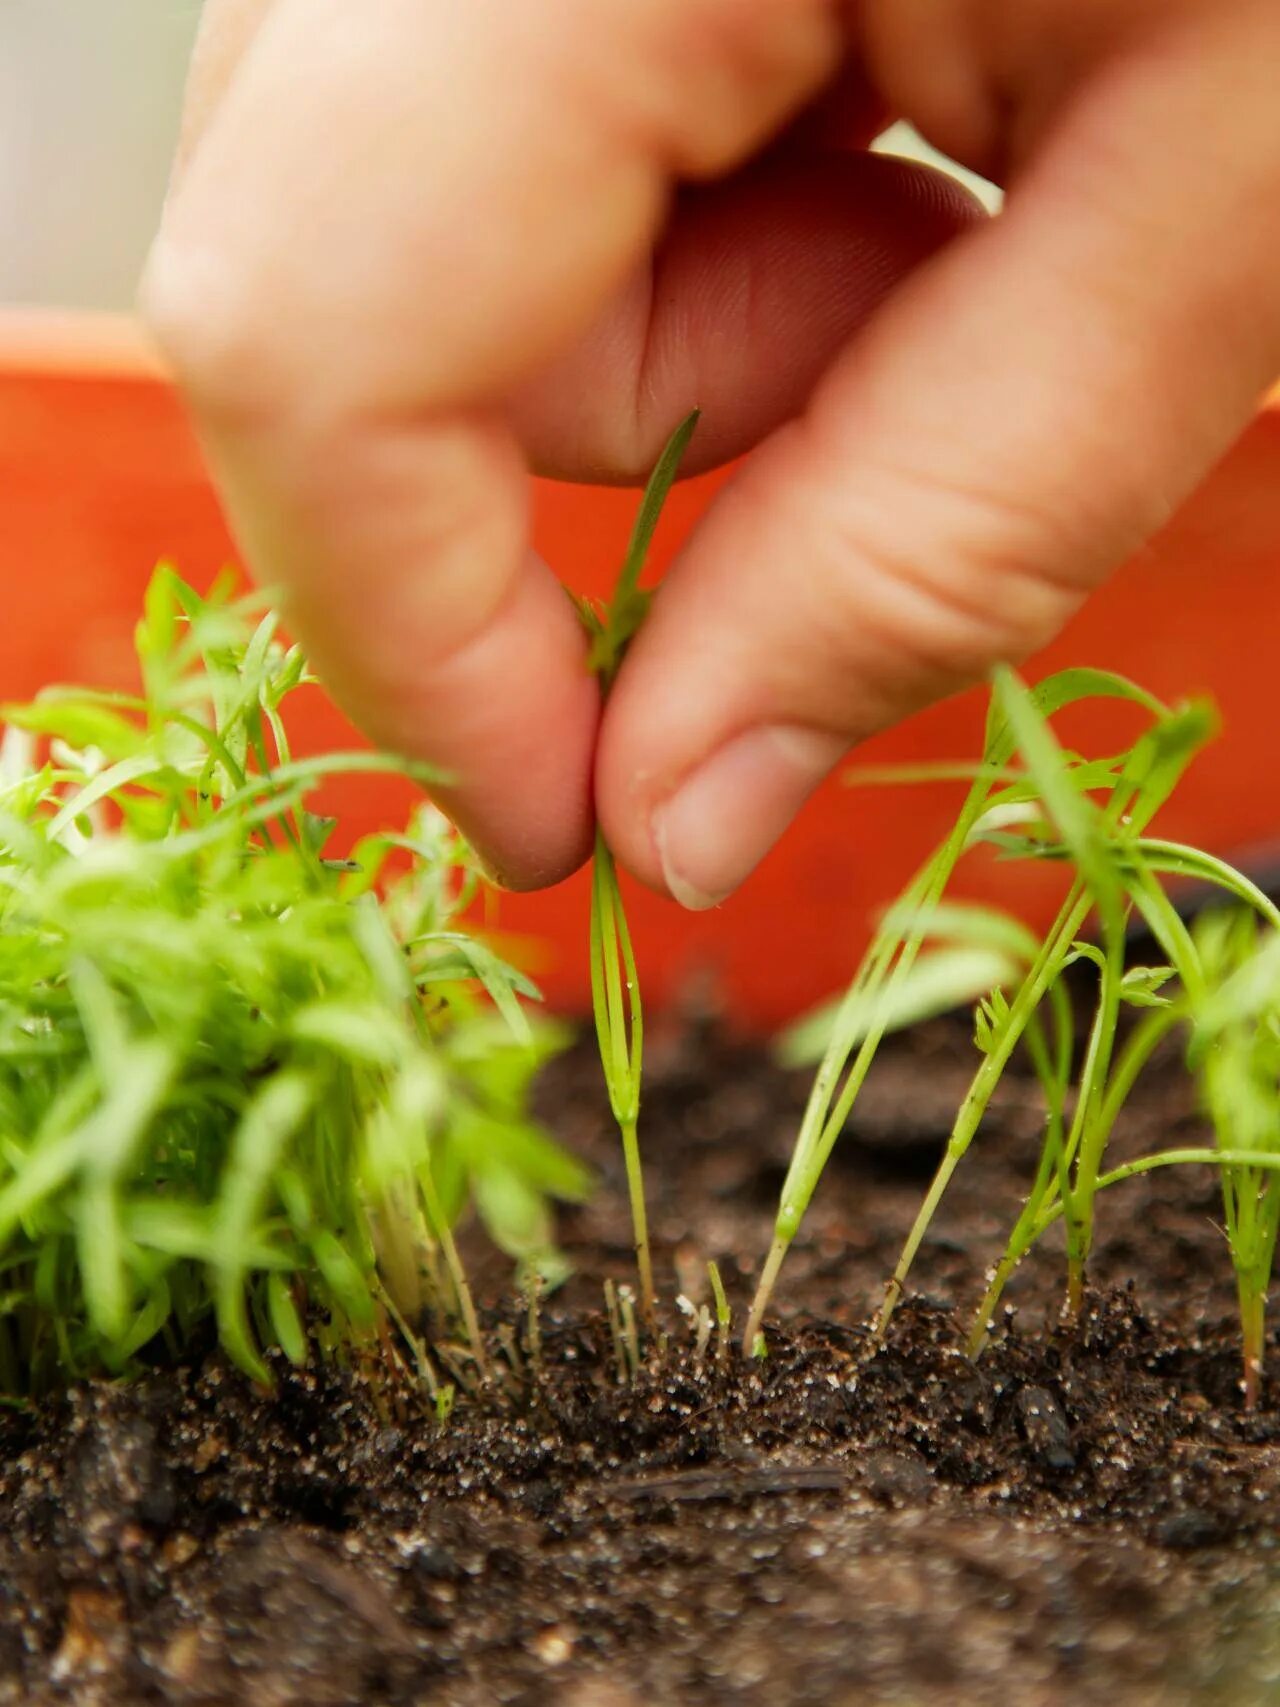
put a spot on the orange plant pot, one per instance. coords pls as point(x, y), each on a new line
point(100, 478)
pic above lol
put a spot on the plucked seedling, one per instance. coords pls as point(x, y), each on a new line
point(615, 985)
point(240, 1079)
point(619, 1021)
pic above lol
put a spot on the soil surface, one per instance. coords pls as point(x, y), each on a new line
point(1083, 1515)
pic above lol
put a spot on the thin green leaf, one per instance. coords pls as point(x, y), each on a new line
point(938, 982)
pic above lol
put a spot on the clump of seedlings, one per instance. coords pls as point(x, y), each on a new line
point(241, 1081)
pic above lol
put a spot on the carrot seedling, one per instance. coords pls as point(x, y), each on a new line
point(615, 985)
point(240, 1079)
point(876, 998)
point(1092, 836)
point(1100, 840)
point(724, 1316)
point(1092, 815)
point(1224, 998)
point(1236, 1049)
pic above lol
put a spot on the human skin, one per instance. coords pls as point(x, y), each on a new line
point(414, 249)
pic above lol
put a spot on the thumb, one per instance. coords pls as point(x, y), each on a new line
point(1010, 427)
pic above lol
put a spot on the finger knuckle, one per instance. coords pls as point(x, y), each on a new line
point(949, 579)
point(710, 79)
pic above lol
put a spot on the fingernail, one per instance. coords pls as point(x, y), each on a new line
point(724, 818)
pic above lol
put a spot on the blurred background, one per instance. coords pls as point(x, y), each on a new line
point(90, 95)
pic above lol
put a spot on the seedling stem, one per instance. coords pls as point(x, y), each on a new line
point(615, 984)
point(724, 1316)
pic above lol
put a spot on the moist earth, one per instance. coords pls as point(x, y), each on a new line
point(1084, 1514)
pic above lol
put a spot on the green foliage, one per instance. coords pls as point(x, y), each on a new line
point(997, 797)
point(978, 950)
point(246, 1082)
point(1236, 1050)
point(238, 1077)
point(1032, 799)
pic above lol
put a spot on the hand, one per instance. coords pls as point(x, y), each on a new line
point(414, 246)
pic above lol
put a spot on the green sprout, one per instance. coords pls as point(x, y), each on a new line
point(1236, 1050)
point(723, 1314)
point(1118, 870)
point(875, 1000)
point(240, 1080)
point(615, 985)
point(1030, 798)
point(1092, 836)
point(1222, 988)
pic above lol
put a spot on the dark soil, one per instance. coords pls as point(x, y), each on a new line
point(1083, 1516)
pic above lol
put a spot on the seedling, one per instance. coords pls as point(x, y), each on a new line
point(1225, 998)
point(619, 1304)
point(724, 1316)
point(615, 985)
point(875, 999)
point(1092, 815)
point(533, 1323)
point(1235, 1021)
point(1092, 835)
point(239, 1079)
point(444, 1402)
point(1120, 869)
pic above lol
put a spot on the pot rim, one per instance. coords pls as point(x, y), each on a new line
point(70, 342)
